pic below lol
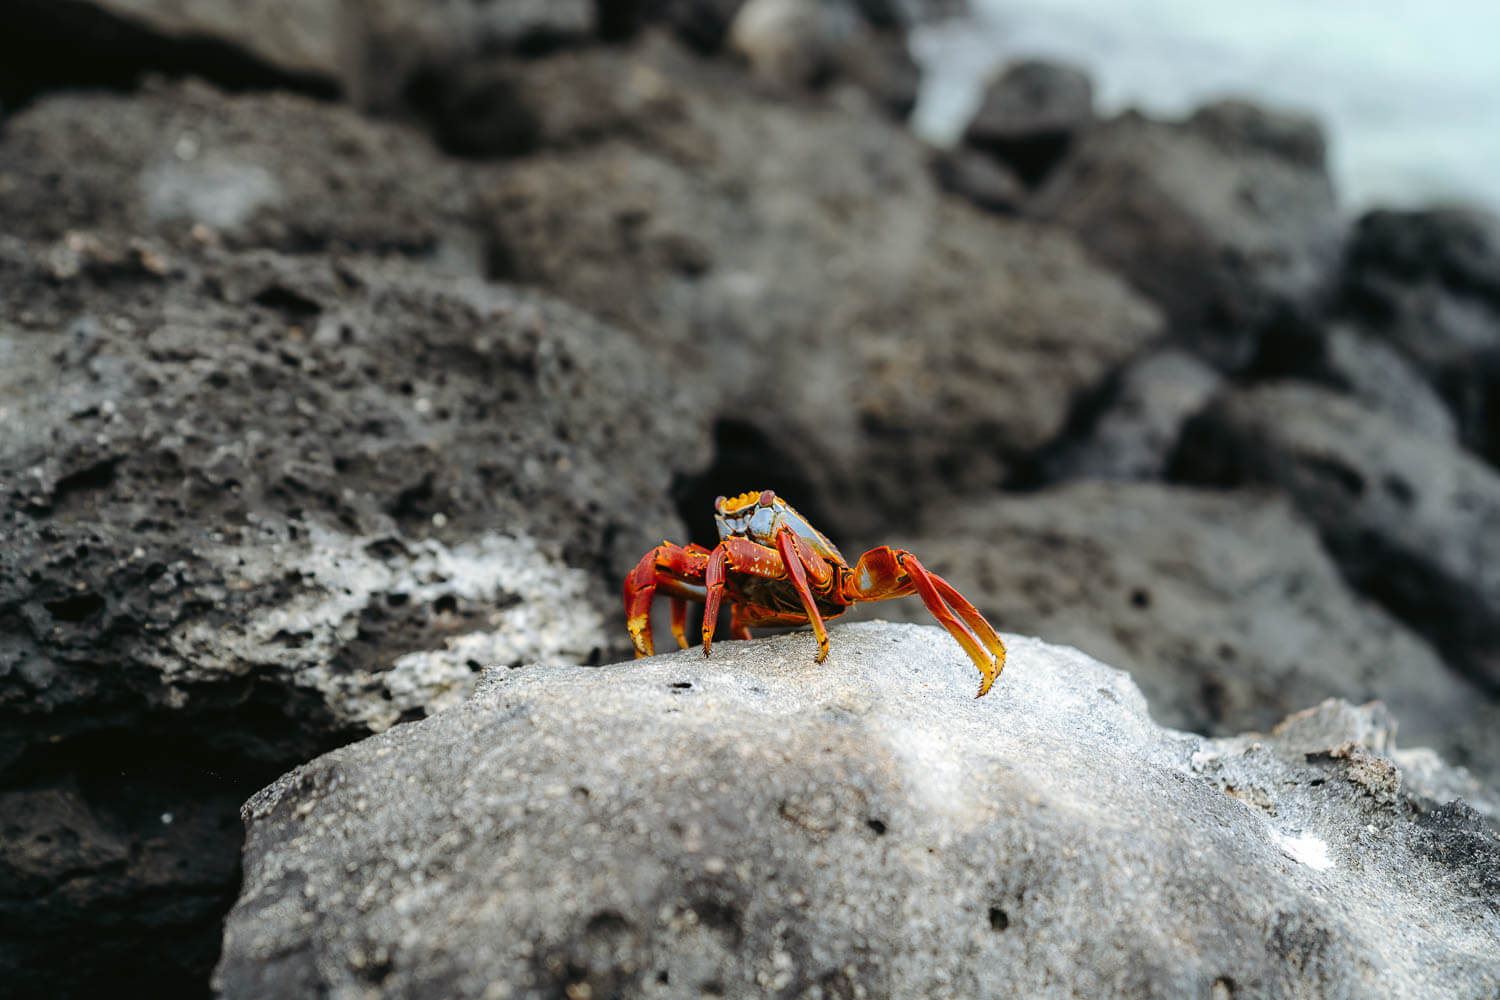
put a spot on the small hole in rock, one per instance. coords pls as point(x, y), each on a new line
point(445, 605)
point(76, 608)
point(1140, 598)
point(999, 921)
point(681, 685)
point(877, 826)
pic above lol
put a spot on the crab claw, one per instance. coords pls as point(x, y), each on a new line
point(886, 572)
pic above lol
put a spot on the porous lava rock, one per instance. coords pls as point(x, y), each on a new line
point(755, 823)
point(255, 506)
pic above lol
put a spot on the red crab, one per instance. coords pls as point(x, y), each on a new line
point(777, 569)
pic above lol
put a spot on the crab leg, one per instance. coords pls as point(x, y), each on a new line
point(798, 562)
point(887, 572)
point(679, 621)
point(737, 627)
point(679, 572)
point(742, 556)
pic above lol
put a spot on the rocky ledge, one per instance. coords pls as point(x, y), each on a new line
point(752, 824)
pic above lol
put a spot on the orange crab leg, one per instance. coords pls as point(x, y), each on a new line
point(886, 572)
point(798, 562)
point(678, 571)
point(737, 627)
point(679, 621)
point(742, 556)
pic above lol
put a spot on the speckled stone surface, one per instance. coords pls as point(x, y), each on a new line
point(754, 824)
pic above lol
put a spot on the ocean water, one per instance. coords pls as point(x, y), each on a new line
point(1407, 90)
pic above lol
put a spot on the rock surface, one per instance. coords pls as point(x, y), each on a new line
point(1222, 606)
point(1411, 521)
point(755, 824)
point(1135, 431)
point(1031, 113)
point(896, 344)
point(1384, 379)
point(1429, 284)
point(295, 44)
point(190, 164)
point(243, 498)
point(1222, 221)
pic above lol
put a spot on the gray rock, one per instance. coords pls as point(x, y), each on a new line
point(400, 41)
point(1429, 284)
point(296, 44)
point(880, 62)
point(1385, 380)
point(1237, 126)
point(1031, 113)
point(191, 165)
point(788, 44)
point(894, 344)
point(1225, 229)
point(755, 824)
point(253, 507)
point(1133, 435)
point(1409, 520)
point(980, 179)
point(370, 52)
point(1222, 606)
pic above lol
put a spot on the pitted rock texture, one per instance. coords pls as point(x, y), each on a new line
point(255, 506)
point(754, 824)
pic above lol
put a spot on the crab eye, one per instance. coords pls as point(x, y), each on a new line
point(767, 498)
point(719, 502)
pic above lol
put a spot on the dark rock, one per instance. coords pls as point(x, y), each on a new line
point(401, 41)
point(1411, 521)
point(880, 63)
point(1222, 606)
point(1031, 113)
point(1229, 231)
point(895, 344)
point(1429, 284)
point(193, 166)
point(792, 46)
point(46, 45)
point(977, 178)
point(702, 24)
point(757, 824)
point(1385, 380)
point(247, 502)
point(1237, 126)
point(1135, 430)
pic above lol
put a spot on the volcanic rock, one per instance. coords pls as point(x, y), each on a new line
point(756, 823)
point(1222, 606)
point(1410, 520)
point(1228, 229)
